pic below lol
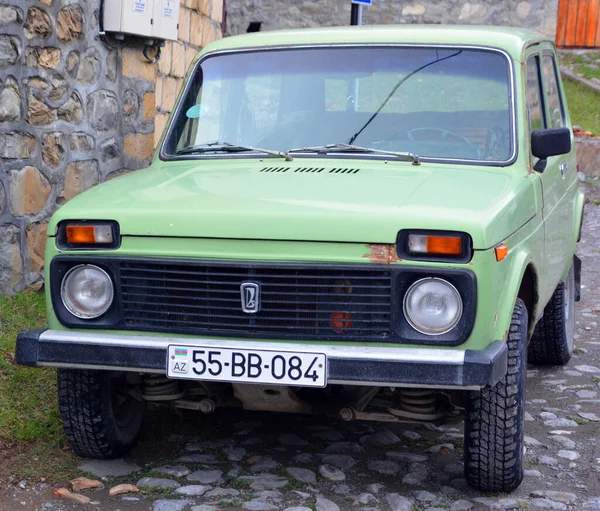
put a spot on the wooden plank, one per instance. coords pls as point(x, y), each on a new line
point(561, 25)
point(592, 23)
point(573, 9)
point(597, 42)
point(582, 19)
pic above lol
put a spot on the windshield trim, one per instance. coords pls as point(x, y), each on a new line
point(457, 161)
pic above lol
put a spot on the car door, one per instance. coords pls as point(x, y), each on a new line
point(554, 174)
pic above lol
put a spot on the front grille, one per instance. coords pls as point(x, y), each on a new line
point(304, 302)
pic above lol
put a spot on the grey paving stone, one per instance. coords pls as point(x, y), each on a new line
point(175, 471)
point(380, 439)
point(406, 456)
point(324, 504)
point(222, 492)
point(108, 468)
point(157, 482)
point(559, 496)
point(341, 461)
point(234, 453)
point(303, 474)
point(546, 504)
point(193, 490)
point(398, 502)
point(259, 505)
point(170, 505)
point(331, 473)
point(206, 459)
point(205, 476)
point(265, 481)
point(264, 464)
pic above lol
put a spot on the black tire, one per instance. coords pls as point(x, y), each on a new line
point(494, 423)
point(552, 340)
point(100, 418)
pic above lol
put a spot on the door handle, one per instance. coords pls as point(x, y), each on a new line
point(563, 167)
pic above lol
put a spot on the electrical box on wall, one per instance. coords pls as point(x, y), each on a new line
point(166, 19)
point(156, 19)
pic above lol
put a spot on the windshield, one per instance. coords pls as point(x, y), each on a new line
point(445, 103)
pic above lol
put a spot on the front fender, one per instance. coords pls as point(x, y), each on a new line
point(578, 204)
point(522, 262)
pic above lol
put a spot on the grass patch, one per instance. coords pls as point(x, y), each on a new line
point(239, 484)
point(44, 461)
point(28, 407)
point(578, 419)
point(584, 106)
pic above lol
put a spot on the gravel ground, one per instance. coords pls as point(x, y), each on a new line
point(293, 463)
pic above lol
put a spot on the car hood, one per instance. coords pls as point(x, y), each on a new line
point(364, 201)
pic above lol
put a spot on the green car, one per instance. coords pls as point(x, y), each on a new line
point(375, 222)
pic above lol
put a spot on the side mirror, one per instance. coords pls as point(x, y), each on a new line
point(550, 142)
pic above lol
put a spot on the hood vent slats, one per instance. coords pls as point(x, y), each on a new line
point(307, 170)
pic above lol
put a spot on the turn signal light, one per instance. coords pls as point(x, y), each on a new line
point(89, 234)
point(438, 246)
point(501, 251)
point(435, 245)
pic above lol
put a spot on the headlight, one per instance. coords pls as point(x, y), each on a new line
point(87, 291)
point(432, 306)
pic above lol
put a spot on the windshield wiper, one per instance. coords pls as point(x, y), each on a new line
point(348, 148)
point(227, 147)
point(395, 88)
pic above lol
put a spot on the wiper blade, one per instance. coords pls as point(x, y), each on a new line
point(230, 148)
point(349, 148)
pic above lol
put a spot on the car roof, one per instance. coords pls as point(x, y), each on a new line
point(510, 39)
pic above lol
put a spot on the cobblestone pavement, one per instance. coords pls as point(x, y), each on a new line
point(293, 463)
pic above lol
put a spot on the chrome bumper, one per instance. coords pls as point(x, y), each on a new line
point(353, 365)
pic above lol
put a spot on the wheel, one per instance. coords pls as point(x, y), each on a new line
point(494, 422)
point(552, 340)
point(100, 415)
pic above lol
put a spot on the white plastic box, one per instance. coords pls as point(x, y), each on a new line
point(155, 19)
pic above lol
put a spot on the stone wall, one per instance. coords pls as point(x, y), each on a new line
point(75, 112)
point(538, 15)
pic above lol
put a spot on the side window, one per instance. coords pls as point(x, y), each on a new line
point(535, 107)
point(555, 107)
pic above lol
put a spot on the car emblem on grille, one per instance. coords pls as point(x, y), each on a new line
point(250, 292)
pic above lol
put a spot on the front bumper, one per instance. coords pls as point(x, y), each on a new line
point(354, 365)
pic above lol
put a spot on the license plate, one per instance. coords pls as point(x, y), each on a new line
point(247, 366)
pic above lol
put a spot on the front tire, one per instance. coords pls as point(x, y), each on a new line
point(494, 423)
point(100, 415)
point(552, 340)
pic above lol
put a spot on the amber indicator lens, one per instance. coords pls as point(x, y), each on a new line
point(341, 322)
point(501, 252)
point(435, 245)
point(89, 234)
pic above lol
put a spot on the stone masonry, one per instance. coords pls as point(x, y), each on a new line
point(538, 15)
point(75, 112)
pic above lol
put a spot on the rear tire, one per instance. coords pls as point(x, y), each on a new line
point(494, 423)
point(100, 417)
point(552, 340)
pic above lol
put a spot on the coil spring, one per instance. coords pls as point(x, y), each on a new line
point(418, 400)
point(160, 388)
